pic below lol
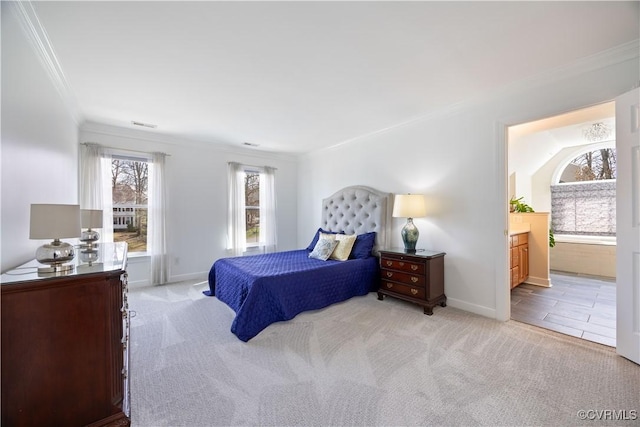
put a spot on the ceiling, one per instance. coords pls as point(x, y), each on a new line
point(533, 144)
point(295, 77)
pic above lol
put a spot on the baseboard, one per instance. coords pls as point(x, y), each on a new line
point(539, 281)
point(472, 308)
point(174, 279)
point(138, 284)
point(203, 275)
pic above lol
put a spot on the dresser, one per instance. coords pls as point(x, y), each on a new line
point(416, 277)
point(519, 254)
point(65, 339)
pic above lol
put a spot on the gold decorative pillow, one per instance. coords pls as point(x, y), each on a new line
point(345, 244)
point(327, 236)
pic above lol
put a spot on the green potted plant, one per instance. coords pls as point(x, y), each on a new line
point(517, 205)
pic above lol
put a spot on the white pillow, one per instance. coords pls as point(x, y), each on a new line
point(345, 244)
point(323, 248)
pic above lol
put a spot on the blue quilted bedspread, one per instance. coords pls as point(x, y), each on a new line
point(264, 289)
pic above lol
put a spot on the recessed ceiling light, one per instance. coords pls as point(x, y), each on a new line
point(146, 125)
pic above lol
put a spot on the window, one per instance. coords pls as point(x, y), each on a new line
point(593, 165)
point(129, 192)
point(251, 214)
point(584, 200)
point(252, 207)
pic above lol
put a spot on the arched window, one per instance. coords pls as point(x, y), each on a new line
point(593, 165)
point(583, 197)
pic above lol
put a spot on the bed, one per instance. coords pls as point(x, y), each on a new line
point(268, 288)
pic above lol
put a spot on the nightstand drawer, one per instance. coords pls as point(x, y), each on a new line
point(396, 276)
point(403, 289)
point(401, 263)
point(416, 277)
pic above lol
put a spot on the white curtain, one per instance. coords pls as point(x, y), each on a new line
point(268, 210)
point(236, 220)
point(156, 240)
point(95, 185)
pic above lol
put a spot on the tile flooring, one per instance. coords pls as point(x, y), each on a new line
point(581, 306)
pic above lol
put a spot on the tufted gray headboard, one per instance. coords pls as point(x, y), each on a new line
point(357, 210)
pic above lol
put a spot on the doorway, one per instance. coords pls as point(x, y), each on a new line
point(581, 298)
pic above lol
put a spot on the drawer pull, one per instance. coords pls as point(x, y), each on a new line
point(389, 274)
point(414, 267)
point(389, 263)
point(401, 264)
point(414, 279)
point(414, 291)
point(389, 285)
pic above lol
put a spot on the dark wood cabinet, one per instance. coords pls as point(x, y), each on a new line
point(65, 344)
point(416, 277)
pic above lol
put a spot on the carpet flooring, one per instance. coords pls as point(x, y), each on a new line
point(365, 362)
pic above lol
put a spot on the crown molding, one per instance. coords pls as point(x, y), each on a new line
point(625, 52)
point(629, 51)
point(178, 141)
point(37, 36)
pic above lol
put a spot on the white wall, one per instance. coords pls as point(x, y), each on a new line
point(197, 197)
point(458, 160)
point(40, 140)
point(39, 145)
point(39, 154)
point(541, 180)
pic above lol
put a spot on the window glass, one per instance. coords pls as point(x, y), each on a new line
point(593, 165)
point(252, 206)
point(129, 189)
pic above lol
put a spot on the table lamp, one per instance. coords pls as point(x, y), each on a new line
point(409, 206)
point(90, 219)
point(52, 221)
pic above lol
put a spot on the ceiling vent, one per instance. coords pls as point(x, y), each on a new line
point(144, 125)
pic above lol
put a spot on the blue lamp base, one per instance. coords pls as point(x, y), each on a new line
point(410, 235)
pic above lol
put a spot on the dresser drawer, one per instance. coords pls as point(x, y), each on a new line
point(403, 264)
point(403, 289)
point(411, 279)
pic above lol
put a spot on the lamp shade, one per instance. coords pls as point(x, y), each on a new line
point(54, 221)
point(409, 206)
point(91, 218)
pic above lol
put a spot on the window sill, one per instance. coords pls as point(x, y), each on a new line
point(138, 256)
point(585, 240)
point(253, 250)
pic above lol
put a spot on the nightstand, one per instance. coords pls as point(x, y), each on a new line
point(416, 277)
